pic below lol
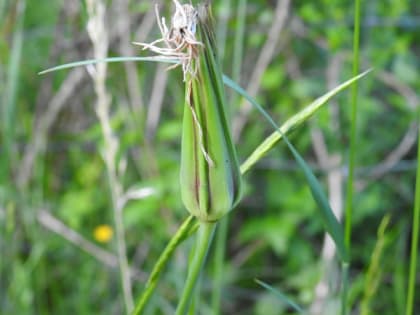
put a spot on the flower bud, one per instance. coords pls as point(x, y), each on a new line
point(210, 175)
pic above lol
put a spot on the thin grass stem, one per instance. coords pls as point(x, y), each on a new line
point(239, 40)
point(219, 258)
point(2, 9)
point(353, 134)
point(204, 238)
point(222, 27)
point(352, 154)
point(99, 37)
point(238, 45)
point(183, 232)
point(409, 309)
point(9, 102)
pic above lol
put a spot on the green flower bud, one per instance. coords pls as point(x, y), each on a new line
point(210, 175)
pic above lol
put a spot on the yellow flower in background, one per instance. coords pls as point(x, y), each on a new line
point(103, 233)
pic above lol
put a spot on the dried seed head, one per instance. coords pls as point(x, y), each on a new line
point(210, 176)
point(182, 46)
point(180, 40)
point(185, 18)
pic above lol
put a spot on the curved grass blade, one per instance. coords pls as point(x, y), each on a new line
point(280, 296)
point(332, 226)
point(110, 59)
point(292, 123)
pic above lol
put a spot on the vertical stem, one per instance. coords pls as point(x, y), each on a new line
point(99, 37)
point(239, 40)
point(353, 143)
point(238, 45)
point(204, 238)
point(183, 232)
point(219, 257)
point(122, 255)
point(222, 28)
point(414, 239)
point(8, 108)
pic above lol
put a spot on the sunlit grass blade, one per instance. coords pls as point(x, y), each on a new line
point(110, 59)
point(281, 296)
point(414, 239)
point(292, 123)
point(332, 226)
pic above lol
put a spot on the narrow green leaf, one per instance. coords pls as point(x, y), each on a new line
point(110, 59)
point(332, 226)
point(414, 251)
point(280, 296)
point(292, 123)
point(8, 108)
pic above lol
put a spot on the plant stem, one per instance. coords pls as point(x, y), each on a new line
point(219, 257)
point(353, 143)
point(238, 46)
point(8, 108)
point(414, 239)
point(344, 286)
point(239, 40)
point(223, 19)
point(204, 238)
point(182, 233)
point(99, 37)
point(121, 248)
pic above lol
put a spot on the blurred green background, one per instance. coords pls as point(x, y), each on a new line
point(58, 247)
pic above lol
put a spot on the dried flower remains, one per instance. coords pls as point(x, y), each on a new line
point(183, 47)
point(181, 43)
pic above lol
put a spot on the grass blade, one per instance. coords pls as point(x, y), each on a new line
point(332, 226)
point(9, 101)
point(292, 123)
point(110, 59)
point(349, 195)
point(374, 272)
point(280, 296)
point(352, 154)
point(414, 239)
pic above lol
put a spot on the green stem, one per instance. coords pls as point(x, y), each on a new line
point(344, 286)
point(239, 40)
point(238, 45)
point(219, 257)
point(8, 108)
point(223, 19)
point(414, 239)
point(353, 144)
point(183, 232)
point(204, 238)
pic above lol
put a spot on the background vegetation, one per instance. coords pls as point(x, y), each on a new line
point(58, 242)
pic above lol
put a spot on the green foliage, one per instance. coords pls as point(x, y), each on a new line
point(274, 233)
